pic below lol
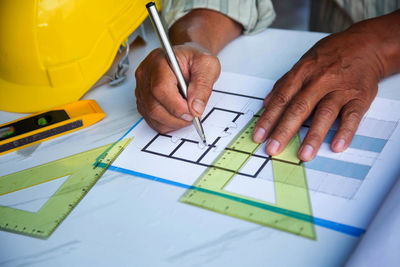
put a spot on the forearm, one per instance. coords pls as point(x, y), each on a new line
point(210, 29)
point(384, 36)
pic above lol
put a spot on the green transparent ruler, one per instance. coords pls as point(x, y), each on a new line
point(84, 169)
point(292, 211)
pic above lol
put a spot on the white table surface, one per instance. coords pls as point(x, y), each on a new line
point(128, 221)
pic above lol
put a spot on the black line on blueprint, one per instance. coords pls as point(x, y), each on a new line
point(229, 111)
point(247, 153)
point(263, 157)
point(208, 114)
point(208, 149)
point(149, 143)
point(210, 146)
point(222, 109)
point(199, 163)
point(183, 139)
point(157, 153)
point(262, 167)
point(247, 96)
point(237, 117)
point(165, 135)
point(288, 162)
point(190, 141)
point(176, 148)
point(266, 159)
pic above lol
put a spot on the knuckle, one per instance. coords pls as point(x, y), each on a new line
point(152, 59)
point(278, 84)
point(279, 99)
point(306, 63)
point(362, 100)
point(299, 107)
point(156, 52)
point(290, 82)
point(282, 79)
point(352, 115)
point(346, 131)
point(325, 113)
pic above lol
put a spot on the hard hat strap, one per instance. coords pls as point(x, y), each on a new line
point(123, 66)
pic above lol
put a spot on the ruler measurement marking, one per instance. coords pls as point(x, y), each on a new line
point(84, 169)
point(289, 180)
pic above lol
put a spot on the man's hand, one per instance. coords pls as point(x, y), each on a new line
point(198, 37)
point(337, 77)
point(157, 95)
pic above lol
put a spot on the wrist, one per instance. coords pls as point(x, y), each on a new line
point(191, 35)
point(199, 26)
point(382, 36)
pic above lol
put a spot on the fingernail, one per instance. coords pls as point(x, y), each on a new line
point(187, 117)
point(272, 146)
point(198, 106)
point(306, 152)
point(338, 145)
point(259, 135)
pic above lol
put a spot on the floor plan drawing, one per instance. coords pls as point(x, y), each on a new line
point(342, 180)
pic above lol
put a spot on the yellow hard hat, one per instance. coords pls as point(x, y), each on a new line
point(53, 51)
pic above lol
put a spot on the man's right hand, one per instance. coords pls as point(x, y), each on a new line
point(197, 37)
point(157, 96)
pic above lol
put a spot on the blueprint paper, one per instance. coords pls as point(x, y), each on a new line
point(380, 245)
point(344, 188)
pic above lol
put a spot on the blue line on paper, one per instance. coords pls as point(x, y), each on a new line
point(335, 226)
point(125, 134)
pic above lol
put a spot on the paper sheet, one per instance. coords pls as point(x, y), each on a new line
point(344, 188)
point(380, 245)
